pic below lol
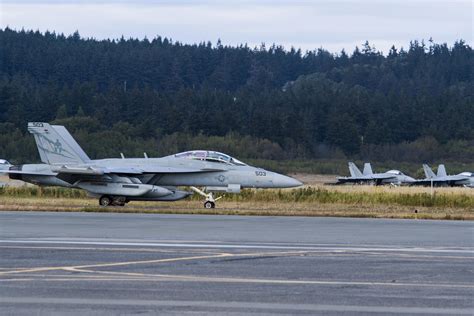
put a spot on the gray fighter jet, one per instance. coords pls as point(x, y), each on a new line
point(118, 181)
point(443, 179)
point(393, 177)
point(4, 164)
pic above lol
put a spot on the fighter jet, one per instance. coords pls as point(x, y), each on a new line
point(4, 165)
point(393, 177)
point(443, 179)
point(116, 181)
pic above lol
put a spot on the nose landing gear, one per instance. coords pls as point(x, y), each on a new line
point(209, 204)
point(210, 201)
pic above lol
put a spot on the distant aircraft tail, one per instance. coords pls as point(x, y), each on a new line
point(355, 172)
point(428, 172)
point(56, 145)
point(441, 171)
point(367, 169)
point(4, 165)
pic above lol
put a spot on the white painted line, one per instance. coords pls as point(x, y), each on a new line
point(237, 246)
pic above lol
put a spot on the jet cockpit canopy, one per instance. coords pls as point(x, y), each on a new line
point(213, 156)
point(397, 172)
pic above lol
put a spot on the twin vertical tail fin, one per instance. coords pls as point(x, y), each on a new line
point(355, 172)
point(428, 172)
point(442, 171)
point(56, 145)
point(367, 169)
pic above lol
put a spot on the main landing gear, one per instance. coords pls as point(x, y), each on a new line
point(106, 200)
point(210, 201)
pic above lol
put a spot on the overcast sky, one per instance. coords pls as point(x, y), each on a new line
point(304, 24)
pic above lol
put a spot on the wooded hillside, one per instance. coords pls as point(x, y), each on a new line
point(160, 96)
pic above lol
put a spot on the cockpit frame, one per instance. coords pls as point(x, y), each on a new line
point(211, 156)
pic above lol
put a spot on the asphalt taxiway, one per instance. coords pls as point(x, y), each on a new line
point(100, 263)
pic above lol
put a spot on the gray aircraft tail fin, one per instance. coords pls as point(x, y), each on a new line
point(56, 145)
point(428, 172)
point(442, 171)
point(355, 172)
point(367, 169)
point(4, 165)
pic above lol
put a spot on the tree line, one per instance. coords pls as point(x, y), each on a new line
point(261, 103)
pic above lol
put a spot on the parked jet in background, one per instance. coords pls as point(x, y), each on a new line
point(4, 165)
point(443, 179)
point(394, 177)
point(118, 181)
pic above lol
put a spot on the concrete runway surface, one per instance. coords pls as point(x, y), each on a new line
point(101, 263)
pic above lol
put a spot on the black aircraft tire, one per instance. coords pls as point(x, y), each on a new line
point(209, 204)
point(105, 200)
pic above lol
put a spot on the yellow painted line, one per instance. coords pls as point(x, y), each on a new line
point(221, 255)
point(113, 264)
point(112, 249)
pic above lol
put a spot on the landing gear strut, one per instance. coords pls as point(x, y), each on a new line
point(210, 201)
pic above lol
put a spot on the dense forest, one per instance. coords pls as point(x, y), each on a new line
point(161, 96)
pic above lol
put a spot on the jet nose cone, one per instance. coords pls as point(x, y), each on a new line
point(281, 181)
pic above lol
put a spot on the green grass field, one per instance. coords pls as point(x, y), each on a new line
point(316, 200)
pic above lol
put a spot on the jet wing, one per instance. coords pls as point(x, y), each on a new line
point(33, 173)
point(457, 178)
point(125, 170)
point(383, 177)
point(74, 174)
point(366, 178)
point(374, 178)
point(160, 169)
point(101, 171)
point(449, 180)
